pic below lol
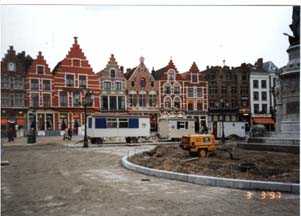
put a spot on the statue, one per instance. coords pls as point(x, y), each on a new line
point(295, 27)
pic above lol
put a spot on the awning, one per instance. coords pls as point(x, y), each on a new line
point(263, 120)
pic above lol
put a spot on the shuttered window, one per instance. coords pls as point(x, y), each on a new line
point(100, 122)
point(133, 123)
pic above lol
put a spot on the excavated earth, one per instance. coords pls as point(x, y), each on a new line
point(269, 166)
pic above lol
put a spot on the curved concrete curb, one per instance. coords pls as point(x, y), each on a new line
point(214, 181)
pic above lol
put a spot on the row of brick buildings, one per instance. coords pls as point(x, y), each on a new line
point(50, 100)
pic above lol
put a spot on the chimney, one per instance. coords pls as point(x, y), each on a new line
point(259, 63)
point(75, 39)
point(128, 70)
point(121, 68)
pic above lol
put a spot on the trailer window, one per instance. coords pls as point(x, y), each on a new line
point(180, 124)
point(90, 123)
point(206, 140)
point(133, 123)
point(111, 123)
point(100, 122)
point(123, 123)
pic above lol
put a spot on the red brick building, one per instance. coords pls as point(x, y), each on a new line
point(170, 87)
point(196, 97)
point(39, 87)
point(71, 76)
point(142, 93)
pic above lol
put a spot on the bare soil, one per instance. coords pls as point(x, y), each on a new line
point(270, 166)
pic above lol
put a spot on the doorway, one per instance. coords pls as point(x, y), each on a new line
point(196, 124)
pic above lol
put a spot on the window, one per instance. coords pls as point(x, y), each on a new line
point(233, 90)
point(76, 99)
point(181, 125)
point(104, 103)
point(177, 103)
point(123, 123)
point(41, 121)
point(255, 96)
point(152, 83)
point(167, 103)
point(112, 73)
point(19, 100)
point(113, 103)
point(46, 100)
point(111, 123)
point(167, 89)
point(264, 96)
point(46, 85)
point(35, 100)
point(224, 90)
point(132, 100)
point(142, 101)
point(19, 83)
point(152, 100)
point(199, 92)
point(34, 85)
point(199, 106)
point(63, 99)
point(69, 80)
point(5, 81)
point(142, 83)
point(11, 66)
point(255, 83)
point(121, 103)
point(107, 86)
point(244, 77)
point(264, 108)
point(171, 75)
point(76, 62)
point(40, 69)
point(190, 92)
point(263, 84)
point(82, 81)
point(194, 77)
point(118, 86)
point(89, 122)
point(5, 102)
point(133, 83)
point(177, 90)
point(190, 106)
point(256, 108)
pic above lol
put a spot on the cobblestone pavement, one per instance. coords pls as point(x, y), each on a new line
point(53, 179)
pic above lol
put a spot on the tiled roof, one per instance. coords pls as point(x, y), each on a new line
point(129, 72)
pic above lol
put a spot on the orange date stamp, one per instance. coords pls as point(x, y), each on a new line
point(263, 195)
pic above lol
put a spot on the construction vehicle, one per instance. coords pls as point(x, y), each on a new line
point(202, 144)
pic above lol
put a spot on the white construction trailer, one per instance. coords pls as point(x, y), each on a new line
point(231, 129)
point(175, 127)
point(127, 127)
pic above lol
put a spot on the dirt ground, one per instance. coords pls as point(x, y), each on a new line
point(58, 180)
point(271, 166)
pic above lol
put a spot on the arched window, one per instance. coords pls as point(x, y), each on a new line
point(167, 103)
point(142, 83)
point(177, 103)
point(112, 73)
point(167, 89)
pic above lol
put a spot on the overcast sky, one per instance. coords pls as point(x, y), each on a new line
point(204, 34)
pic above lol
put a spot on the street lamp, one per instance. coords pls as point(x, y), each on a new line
point(222, 106)
point(87, 101)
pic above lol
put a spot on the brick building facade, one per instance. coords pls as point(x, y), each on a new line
point(39, 87)
point(13, 100)
point(142, 93)
point(71, 76)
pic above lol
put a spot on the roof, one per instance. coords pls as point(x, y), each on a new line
point(159, 73)
point(129, 72)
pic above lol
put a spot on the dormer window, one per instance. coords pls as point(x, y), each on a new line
point(11, 66)
point(112, 73)
point(194, 77)
point(171, 75)
point(40, 69)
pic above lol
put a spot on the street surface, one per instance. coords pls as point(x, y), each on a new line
point(56, 179)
